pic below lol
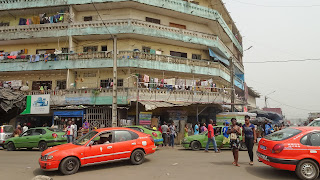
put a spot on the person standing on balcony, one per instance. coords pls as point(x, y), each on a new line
point(165, 130)
point(211, 137)
point(196, 128)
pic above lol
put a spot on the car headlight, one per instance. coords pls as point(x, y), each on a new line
point(46, 157)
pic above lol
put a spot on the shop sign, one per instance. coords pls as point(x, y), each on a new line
point(38, 104)
point(145, 118)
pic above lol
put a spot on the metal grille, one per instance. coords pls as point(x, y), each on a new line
point(99, 117)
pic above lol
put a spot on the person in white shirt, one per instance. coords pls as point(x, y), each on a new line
point(75, 130)
point(70, 132)
point(25, 128)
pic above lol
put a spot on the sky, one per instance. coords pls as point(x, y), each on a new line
point(281, 30)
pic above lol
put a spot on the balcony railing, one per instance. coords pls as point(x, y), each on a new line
point(131, 55)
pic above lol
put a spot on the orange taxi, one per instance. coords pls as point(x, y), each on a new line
point(294, 149)
point(96, 147)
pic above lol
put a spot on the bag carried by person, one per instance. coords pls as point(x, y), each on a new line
point(233, 136)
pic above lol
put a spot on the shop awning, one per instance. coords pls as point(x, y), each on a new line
point(151, 105)
point(216, 56)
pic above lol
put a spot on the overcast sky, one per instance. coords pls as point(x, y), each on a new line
point(289, 31)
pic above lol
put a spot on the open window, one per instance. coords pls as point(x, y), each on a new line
point(103, 138)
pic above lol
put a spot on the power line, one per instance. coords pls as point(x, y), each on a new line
point(274, 6)
point(293, 106)
point(285, 61)
point(101, 19)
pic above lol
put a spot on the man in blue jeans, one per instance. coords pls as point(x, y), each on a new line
point(211, 137)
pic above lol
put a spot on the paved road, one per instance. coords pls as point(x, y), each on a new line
point(166, 163)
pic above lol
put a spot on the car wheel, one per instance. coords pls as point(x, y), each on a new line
point(307, 170)
point(10, 146)
point(243, 146)
point(195, 145)
point(70, 165)
point(42, 146)
point(137, 157)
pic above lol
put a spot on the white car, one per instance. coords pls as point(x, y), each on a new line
point(315, 122)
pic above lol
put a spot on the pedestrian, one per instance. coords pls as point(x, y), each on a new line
point(267, 128)
point(203, 127)
point(211, 137)
point(64, 127)
point(17, 131)
point(249, 137)
point(196, 128)
point(172, 131)
point(70, 132)
point(25, 127)
point(85, 127)
point(226, 138)
point(234, 132)
point(75, 128)
point(186, 130)
point(165, 130)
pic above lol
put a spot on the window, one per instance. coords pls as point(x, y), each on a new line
point(121, 136)
point(178, 54)
point(45, 51)
point(38, 132)
point(104, 48)
point(107, 83)
point(120, 82)
point(87, 18)
point(196, 56)
point(65, 50)
point(315, 123)
point(27, 133)
point(283, 134)
point(90, 49)
point(62, 84)
point(84, 139)
point(103, 138)
point(8, 129)
point(45, 84)
point(137, 129)
point(180, 26)
point(315, 139)
point(152, 20)
point(146, 49)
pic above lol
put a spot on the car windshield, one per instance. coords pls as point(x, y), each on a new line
point(314, 123)
point(55, 130)
point(84, 139)
point(283, 134)
point(8, 129)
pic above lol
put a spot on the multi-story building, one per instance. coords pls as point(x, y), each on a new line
point(170, 53)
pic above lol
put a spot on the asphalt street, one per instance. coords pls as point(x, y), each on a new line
point(166, 163)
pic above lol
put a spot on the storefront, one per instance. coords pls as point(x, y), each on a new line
point(61, 117)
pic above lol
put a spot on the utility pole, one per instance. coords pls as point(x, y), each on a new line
point(115, 84)
point(232, 84)
point(137, 102)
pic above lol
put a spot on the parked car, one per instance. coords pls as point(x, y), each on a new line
point(156, 135)
point(196, 142)
point(96, 147)
point(315, 122)
point(294, 149)
point(40, 137)
point(6, 132)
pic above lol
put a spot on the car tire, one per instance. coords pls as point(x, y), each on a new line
point(42, 146)
point(137, 157)
point(69, 165)
point(10, 146)
point(243, 146)
point(307, 170)
point(195, 145)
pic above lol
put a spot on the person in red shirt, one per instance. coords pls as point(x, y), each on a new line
point(211, 137)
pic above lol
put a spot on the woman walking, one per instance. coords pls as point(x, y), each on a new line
point(249, 137)
point(234, 132)
point(172, 131)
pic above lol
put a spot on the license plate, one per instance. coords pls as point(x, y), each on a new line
point(263, 147)
point(263, 157)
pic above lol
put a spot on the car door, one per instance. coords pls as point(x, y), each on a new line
point(23, 140)
point(99, 151)
point(37, 136)
point(314, 144)
point(125, 142)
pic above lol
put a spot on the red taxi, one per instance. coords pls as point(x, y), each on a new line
point(96, 147)
point(294, 149)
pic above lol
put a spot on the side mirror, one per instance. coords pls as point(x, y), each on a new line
point(91, 143)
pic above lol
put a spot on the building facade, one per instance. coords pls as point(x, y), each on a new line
point(171, 54)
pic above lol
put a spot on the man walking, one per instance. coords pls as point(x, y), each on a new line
point(226, 138)
point(165, 129)
point(211, 137)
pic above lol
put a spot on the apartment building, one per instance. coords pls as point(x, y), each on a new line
point(173, 56)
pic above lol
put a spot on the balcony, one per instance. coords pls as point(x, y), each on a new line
point(125, 95)
point(125, 59)
point(173, 5)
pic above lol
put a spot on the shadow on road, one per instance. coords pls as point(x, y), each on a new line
point(108, 166)
point(270, 173)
